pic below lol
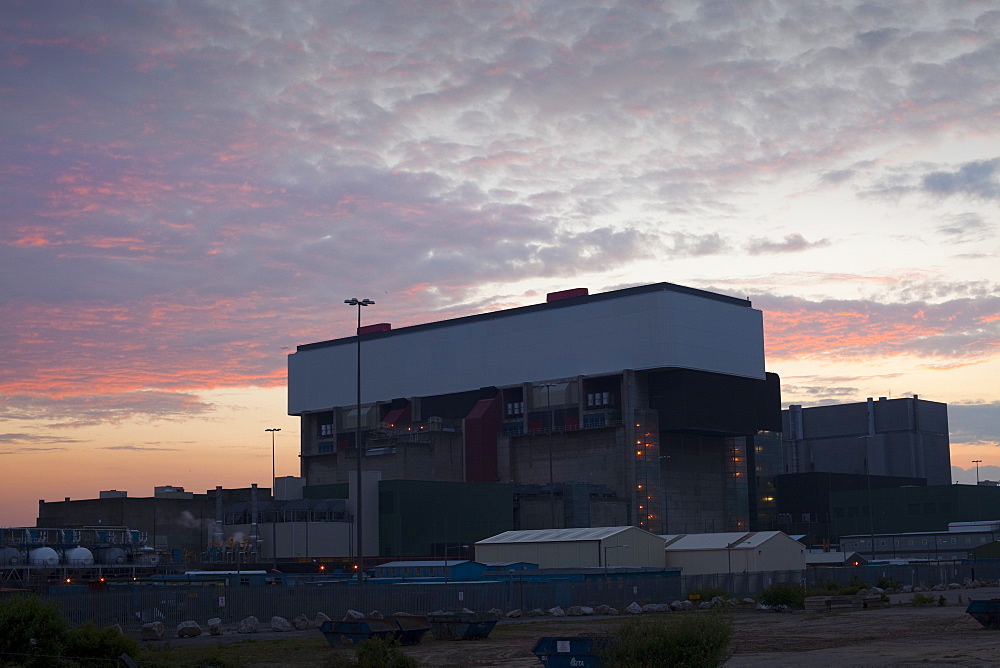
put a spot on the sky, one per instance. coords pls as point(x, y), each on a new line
point(189, 190)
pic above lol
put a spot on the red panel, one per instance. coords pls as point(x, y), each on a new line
point(398, 416)
point(572, 424)
point(566, 294)
point(481, 428)
point(378, 327)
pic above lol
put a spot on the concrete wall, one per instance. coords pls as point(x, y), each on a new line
point(638, 328)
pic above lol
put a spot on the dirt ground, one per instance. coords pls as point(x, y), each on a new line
point(900, 635)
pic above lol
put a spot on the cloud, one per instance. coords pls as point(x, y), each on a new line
point(977, 179)
point(140, 448)
point(792, 243)
point(79, 410)
point(960, 331)
point(975, 423)
point(967, 228)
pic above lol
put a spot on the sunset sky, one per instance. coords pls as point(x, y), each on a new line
point(188, 190)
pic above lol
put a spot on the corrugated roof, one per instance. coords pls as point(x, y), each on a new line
point(555, 535)
point(829, 557)
point(414, 564)
point(719, 541)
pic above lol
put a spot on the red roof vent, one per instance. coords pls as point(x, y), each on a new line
point(566, 294)
point(370, 329)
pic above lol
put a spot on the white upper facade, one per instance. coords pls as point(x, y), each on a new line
point(647, 327)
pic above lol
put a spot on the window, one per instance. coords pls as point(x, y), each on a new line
point(325, 430)
point(325, 448)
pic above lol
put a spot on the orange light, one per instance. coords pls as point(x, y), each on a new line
point(638, 442)
point(639, 452)
point(68, 580)
point(102, 579)
point(640, 486)
point(322, 568)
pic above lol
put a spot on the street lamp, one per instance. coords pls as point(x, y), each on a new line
point(274, 502)
point(354, 301)
point(977, 462)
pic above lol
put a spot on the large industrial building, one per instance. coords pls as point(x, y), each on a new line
point(905, 437)
point(647, 406)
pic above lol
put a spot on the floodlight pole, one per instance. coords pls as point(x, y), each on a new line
point(274, 503)
point(354, 301)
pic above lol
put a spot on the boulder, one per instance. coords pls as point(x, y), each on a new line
point(353, 614)
point(705, 605)
point(215, 626)
point(301, 622)
point(954, 585)
point(536, 612)
point(634, 608)
point(281, 625)
point(749, 601)
point(586, 610)
point(496, 612)
point(677, 605)
point(375, 614)
point(248, 625)
point(320, 618)
point(556, 612)
point(574, 611)
point(188, 629)
point(153, 631)
point(514, 614)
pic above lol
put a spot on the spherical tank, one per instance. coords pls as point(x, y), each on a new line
point(10, 557)
point(43, 557)
point(79, 556)
point(111, 555)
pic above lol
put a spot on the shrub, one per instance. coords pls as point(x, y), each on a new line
point(692, 639)
point(32, 633)
point(383, 653)
point(780, 596)
point(921, 599)
point(888, 583)
point(91, 646)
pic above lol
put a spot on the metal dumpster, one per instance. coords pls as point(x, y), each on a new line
point(579, 652)
point(411, 629)
point(461, 626)
point(986, 612)
point(347, 632)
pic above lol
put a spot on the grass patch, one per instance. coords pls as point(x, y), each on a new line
point(692, 639)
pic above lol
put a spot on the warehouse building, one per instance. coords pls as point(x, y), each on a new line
point(646, 406)
point(699, 554)
point(603, 547)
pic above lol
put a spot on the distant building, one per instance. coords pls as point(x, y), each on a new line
point(961, 541)
point(911, 509)
point(905, 437)
point(646, 406)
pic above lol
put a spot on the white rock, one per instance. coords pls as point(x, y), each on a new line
point(281, 625)
point(153, 631)
point(188, 629)
point(634, 608)
point(248, 625)
point(215, 626)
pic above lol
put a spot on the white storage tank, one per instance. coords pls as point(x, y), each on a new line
point(43, 557)
point(111, 555)
point(79, 556)
point(10, 556)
